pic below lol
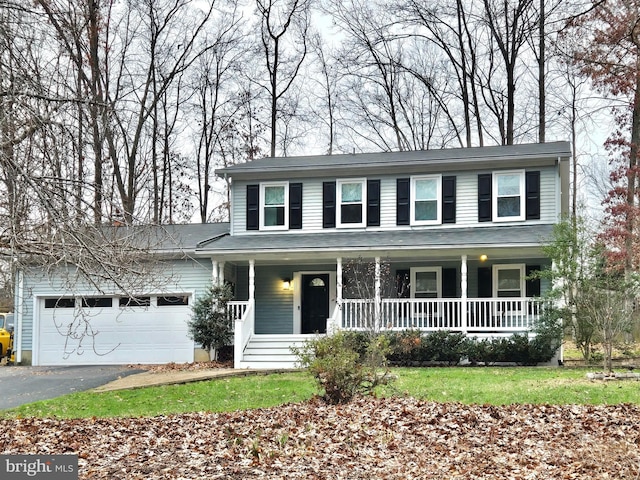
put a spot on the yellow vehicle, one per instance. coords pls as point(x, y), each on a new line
point(6, 337)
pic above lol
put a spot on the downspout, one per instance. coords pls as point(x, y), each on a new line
point(19, 313)
point(559, 188)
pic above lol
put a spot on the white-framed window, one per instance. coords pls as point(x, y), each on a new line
point(508, 196)
point(351, 195)
point(509, 280)
point(274, 201)
point(426, 208)
point(426, 282)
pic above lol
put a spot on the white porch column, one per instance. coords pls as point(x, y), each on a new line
point(215, 280)
point(377, 301)
point(339, 282)
point(252, 280)
point(335, 322)
point(464, 279)
point(220, 273)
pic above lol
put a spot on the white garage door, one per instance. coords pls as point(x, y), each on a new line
point(113, 330)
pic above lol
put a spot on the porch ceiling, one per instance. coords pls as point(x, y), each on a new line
point(523, 241)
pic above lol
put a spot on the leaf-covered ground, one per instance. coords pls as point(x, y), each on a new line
point(398, 438)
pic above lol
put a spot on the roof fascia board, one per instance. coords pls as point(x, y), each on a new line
point(350, 170)
point(393, 163)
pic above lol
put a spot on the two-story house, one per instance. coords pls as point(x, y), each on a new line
point(455, 233)
point(460, 229)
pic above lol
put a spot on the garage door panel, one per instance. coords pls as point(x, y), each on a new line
point(114, 335)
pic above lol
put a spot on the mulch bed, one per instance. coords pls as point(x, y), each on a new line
point(398, 438)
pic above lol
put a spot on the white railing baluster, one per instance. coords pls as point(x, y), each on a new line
point(429, 314)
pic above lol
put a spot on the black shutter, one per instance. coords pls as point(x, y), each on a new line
point(295, 205)
point(532, 284)
point(449, 283)
point(484, 197)
point(532, 187)
point(403, 197)
point(373, 203)
point(448, 199)
point(328, 204)
point(253, 207)
point(485, 285)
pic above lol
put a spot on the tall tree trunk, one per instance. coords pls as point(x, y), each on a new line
point(541, 77)
point(632, 175)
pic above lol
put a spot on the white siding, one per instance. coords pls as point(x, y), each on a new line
point(466, 203)
point(179, 276)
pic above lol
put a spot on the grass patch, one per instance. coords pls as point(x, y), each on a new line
point(219, 395)
point(505, 385)
point(490, 385)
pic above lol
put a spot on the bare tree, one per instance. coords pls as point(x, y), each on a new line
point(447, 27)
point(284, 27)
point(324, 105)
point(510, 24)
point(372, 60)
point(214, 101)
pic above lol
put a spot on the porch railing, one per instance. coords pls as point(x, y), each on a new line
point(466, 315)
point(236, 309)
point(243, 328)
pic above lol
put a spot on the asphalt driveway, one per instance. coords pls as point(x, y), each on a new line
point(20, 385)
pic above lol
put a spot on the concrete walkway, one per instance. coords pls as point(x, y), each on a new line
point(151, 379)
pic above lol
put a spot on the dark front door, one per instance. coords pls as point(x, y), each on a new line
point(315, 303)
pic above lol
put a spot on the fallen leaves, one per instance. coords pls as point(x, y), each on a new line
point(396, 438)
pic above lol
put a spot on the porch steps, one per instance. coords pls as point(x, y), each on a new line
point(272, 351)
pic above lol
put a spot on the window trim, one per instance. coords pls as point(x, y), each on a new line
point(94, 302)
point(143, 301)
point(413, 283)
point(522, 195)
point(285, 206)
point(163, 301)
point(59, 303)
point(438, 199)
point(339, 203)
point(496, 268)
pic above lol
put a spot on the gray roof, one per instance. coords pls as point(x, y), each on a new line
point(189, 236)
point(440, 238)
point(167, 238)
point(451, 158)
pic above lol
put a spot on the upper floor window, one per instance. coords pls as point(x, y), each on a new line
point(274, 199)
point(508, 201)
point(425, 202)
point(274, 206)
point(351, 203)
point(509, 196)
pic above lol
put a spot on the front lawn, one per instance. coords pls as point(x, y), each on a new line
point(490, 385)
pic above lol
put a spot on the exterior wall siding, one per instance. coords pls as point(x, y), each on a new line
point(274, 306)
point(181, 276)
point(473, 265)
point(466, 204)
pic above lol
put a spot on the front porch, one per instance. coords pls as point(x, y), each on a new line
point(292, 300)
point(491, 317)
